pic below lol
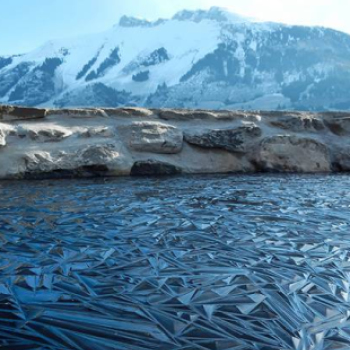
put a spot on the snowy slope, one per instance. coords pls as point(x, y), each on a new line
point(207, 59)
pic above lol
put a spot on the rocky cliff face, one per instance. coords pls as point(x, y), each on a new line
point(198, 59)
point(48, 143)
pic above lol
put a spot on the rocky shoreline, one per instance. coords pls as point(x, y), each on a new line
point(48, 143)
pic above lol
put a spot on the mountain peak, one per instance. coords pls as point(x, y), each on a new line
point(129, 21)
point(218, 14)
point(215, 13)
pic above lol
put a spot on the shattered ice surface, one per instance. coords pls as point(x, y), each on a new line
point(257, 262)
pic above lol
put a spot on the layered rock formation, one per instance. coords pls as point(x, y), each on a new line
point(43, 143)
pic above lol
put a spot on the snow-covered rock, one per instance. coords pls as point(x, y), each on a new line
point(101, 131)
point(153, 137)
point(239, 140)
point(197, 59)
point(338, 124)
point(92, 160)
point(53, 133)
point(298, 124)
point(2, 138)
point(293, 154)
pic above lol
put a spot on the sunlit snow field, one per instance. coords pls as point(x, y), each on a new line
point(207, 262)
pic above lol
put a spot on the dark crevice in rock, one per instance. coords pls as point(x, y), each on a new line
point(338, 167)
point(14, 113)
point(88, 171)
point(154, 168)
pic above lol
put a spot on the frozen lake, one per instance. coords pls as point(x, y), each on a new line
point(205, 262)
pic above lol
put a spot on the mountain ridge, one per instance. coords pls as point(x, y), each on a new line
point(197, 59)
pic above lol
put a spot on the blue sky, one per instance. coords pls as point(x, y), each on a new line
point(26, 24)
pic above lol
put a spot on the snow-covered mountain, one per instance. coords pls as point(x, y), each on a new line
point(197, 59)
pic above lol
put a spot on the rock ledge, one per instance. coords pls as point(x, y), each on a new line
point(43, 143)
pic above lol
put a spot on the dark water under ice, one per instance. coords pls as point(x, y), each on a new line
point(207, 262)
